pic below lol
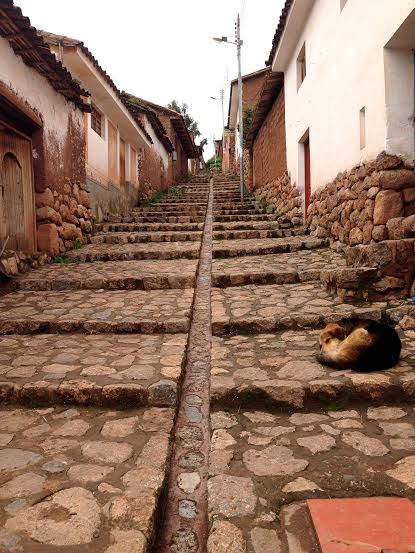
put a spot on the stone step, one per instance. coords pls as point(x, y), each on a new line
point(284, 268)
point(72, 465)
point(238, 248)
point(253, 225)
point(96, 311)
point(281, 370)
point(256, 234)
point(111, 275)
point(158, 211)
point(238, 211)
point(149, 227)
point(240, 218)
point(117, 369)
point(265, 466)
point(163, 219)
point(259, 309)
point(130, 252)
point(145, 237)
point(167, 209)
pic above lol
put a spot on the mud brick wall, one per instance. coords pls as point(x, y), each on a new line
point(270, 180)
point(63, 209)
point(152, 176)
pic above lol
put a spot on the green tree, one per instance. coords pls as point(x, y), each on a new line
point(183, 109)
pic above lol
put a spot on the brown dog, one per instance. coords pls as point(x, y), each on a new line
point(363, 346)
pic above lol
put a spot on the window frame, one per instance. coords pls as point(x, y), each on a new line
point(94, 111)
point(301, 66)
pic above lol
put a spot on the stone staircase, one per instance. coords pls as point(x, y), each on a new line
point(110, 363)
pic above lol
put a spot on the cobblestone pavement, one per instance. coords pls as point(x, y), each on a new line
point(103, 330)
point(92, 369)
point(281, 369)
point(90, 311)
point(142, 275)
point(105, 361)
point(86, 480)
point(304, 265)
point(264, 308)
point(262, 461)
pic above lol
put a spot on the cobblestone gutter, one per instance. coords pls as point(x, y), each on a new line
point(185, 524)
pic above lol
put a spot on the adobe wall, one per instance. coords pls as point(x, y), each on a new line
point(270, 180)
point(62, 202)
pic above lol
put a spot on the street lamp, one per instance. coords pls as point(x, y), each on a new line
point(221, 99)
point(238, 45)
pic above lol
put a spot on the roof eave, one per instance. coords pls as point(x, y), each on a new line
point(269, 93)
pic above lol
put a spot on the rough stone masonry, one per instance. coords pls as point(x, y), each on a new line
point(96, 371)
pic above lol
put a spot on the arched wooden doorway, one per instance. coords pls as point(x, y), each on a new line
point(17, 215)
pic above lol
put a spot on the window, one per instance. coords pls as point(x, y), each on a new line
point(301, 67)
point(342, 4)
point(363, 128)
point(96, 121)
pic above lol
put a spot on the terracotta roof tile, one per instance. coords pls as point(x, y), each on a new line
point(27, 44)
point(280, 29)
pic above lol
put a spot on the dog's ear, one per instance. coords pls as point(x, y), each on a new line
point(336, 330)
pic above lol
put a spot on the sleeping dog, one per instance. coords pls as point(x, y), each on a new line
point(360, 345)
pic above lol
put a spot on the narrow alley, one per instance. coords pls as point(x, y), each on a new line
point(179, 221)
point(98, 353)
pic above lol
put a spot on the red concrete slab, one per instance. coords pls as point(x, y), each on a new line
point(364, 525)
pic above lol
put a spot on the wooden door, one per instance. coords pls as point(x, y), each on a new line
point(17, 211)
point(307, 175)
point(122, 162)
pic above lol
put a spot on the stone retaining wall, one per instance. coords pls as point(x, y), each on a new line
point(370, 203)
point(63, 216)
point(370, 213)
point(12, 263)
point(284, 196)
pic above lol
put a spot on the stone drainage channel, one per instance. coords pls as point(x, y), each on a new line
point(185, 525)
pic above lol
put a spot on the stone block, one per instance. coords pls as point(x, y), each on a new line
point(408, 226)
point(48, 239)
point(68, 231)
point(355, 236)
point(84, 199)
point(395, 228)
point(379, 233)
point(409, 195)
point(44, 199)
point(386, 161)
point(388, 205)
point(47, 213)
point(397, 179)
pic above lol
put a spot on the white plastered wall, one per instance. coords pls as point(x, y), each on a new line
point(347, 65)
point(157, 145)
point(34, 89)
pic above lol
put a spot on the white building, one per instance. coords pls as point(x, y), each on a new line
point(115, 140)
point(349, 84)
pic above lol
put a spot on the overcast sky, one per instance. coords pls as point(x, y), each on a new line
point(163, 50)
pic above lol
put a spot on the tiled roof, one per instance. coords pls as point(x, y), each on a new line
point(178, 123)
point(136, 107)
point(280, 29)
point(27, 44)
point(65, 41)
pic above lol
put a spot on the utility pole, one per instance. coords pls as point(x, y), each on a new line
point(222, 99)
point(239, 43)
